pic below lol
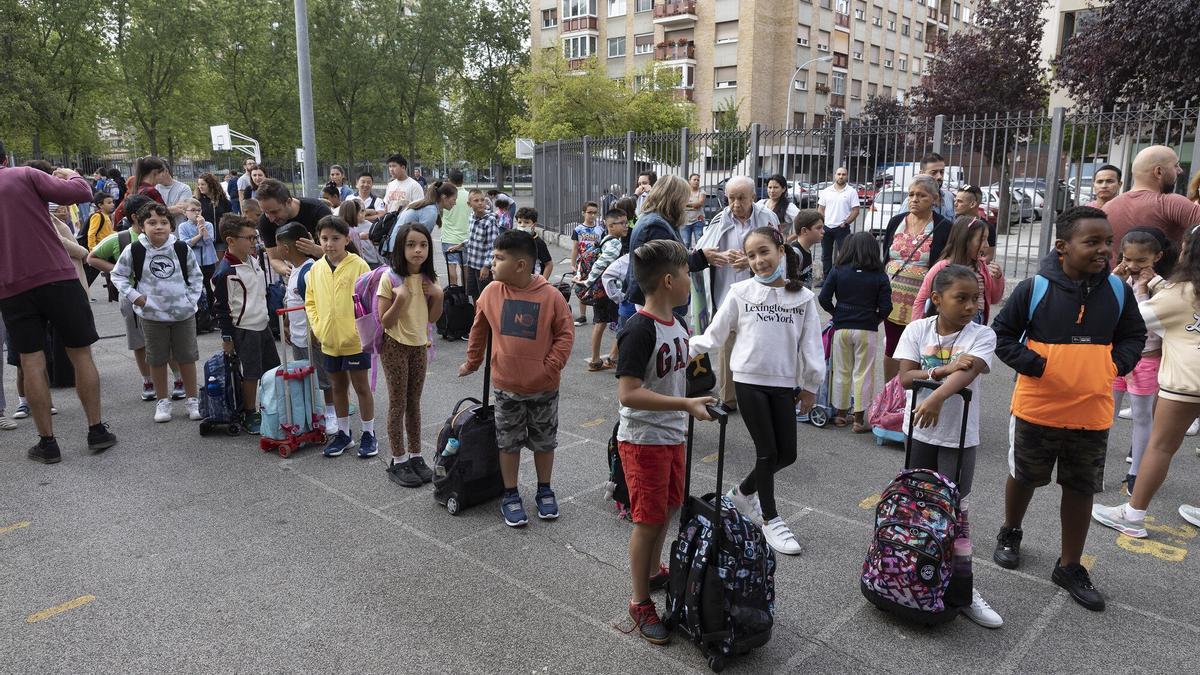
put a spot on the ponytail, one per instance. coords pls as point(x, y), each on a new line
point(794, 283)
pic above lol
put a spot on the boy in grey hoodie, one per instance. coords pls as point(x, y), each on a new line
point(161, 277)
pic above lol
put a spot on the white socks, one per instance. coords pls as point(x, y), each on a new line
point(1134, 514)
point(368, 426)
point(401, 458)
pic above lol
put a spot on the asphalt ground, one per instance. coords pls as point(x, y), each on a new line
point(177, 553)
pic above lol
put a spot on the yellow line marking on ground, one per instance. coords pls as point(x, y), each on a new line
point(59, 609)
point(15, 526)
point(709, 459)
point(592, 423)
point(1151, 547)
point(870, 502)
point(1088, 561)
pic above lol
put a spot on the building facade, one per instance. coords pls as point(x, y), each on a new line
point(1064, 18)
point(744, 53)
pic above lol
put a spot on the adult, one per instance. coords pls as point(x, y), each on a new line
point(645, 183)
point(147, 171)
point(778, 202)
point(1193, 189)
point(420, 178)
point(968, 201)
point(913, 241)
point(279, 208)
point(725, 235)
point(373, 206)
point(934, 166)
point(337, 176)
point(257, 174)
point(401, 189)
point(694, 216)
point(1106, 185)
point(612, 195)
point(174, 193)
point(244, 180)
point(456, 226)
point(214, 203)
point(838, 205)
point(39, 288)
point(231, 191)
point(1152, 202)
point(426, 211)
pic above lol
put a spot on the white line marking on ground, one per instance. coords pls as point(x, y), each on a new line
point(1013, 659)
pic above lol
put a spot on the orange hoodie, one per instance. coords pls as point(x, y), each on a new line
point(532, 332)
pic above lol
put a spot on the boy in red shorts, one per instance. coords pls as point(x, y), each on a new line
point(651, 371)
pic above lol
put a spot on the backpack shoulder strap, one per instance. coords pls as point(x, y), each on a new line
point(181, 252)
point(137, 254)
point(1040, 285)
point(124, 238)
point(1118, 288)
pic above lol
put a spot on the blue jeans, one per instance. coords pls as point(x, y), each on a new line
point(692, 231)
point(833, 237)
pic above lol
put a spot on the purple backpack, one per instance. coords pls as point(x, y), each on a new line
point(366, 300)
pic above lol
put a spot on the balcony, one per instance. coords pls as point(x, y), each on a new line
point(577, 64)
point(683, 50)
point(840, 60)
point(685, 94)
point(837, 101)
point(821, 88)
point(675, 14)
point(842, 21)
point(579, 24)
point(932, 12)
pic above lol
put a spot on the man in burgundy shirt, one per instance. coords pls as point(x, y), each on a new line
point(40, 290)
point(1152, 201)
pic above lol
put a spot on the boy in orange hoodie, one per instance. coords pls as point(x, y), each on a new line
point(532, 331)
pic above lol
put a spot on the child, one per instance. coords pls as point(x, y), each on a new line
point(164, 293)
point(531, 332)
point(768, 312)
point(967, 246)
point(653, 426)
point(240, 308)
point(1173, 315)
point(808, 228)
point(949, 346)
point(100, 223)
point(864, 299)
point(1062, 402)
point(527, 218)
point(605, 310)
point(354, 213)
point(197, 232)
point(1141, 253)
point(409, 300)
point(329, 302)
point(484, 229)
point(299, 338)
point(585, 235)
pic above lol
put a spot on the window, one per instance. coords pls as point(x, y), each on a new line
point(616, 7)
point(802, 35)
point(574, 8)
point(891, 21)
point(905, 28)
point(966, 15)
point(644, 5)
point(843, 6)
point(839, 83)
point(818, 121)
point(860, 14)
point(887, 91)
point(858, 50)
point(955, 11)
point(823, 41)
point(802, 81)
point(727, 32)
point(725, 77)
point(877, 19)
point(798, 119)
point(579, 47)
point(874, 55)
point(643, 44)
point(826, 4)
point(856, 89)
point(616, 47)
point(639, 82)
point(900, 95)
point(916, 65)
point(871, 89)
point(549, 18)
point(903, 64)
point(917, 36)
point(888, 57)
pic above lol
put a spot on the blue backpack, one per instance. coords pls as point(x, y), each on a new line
point(1041, 284)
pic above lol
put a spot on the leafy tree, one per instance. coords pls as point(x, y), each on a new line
point(1131, 50)
point(884, 110)
point(348, 94)
point(732, 143)
point(991, 68)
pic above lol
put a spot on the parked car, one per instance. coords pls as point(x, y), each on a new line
point(760, 189)
point(887, 203)
point(1035, 190)
point(712, 206)
point(1019, 207)
point(866, 194)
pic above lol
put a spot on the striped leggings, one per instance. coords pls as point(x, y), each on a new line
point(853, 365)
point(404, 368)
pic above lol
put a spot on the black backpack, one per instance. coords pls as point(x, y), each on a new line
point(381, 230)
point(137, 253)
point(616, 488)
point(457, 314)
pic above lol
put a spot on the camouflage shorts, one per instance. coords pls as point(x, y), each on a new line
point(526, 420)
point(1035, 449)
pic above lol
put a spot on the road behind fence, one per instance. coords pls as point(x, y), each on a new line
point(1018, 155)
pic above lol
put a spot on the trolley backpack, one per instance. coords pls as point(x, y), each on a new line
point(909, 564)
point(466, 470)
point(221, 395)
point(616, 488)
point(594, 292)
point(886, 413)
point(721, 590)
point(457, 313)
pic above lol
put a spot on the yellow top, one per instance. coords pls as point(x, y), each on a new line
point(329, 303)
point(410, 328)
point(98, 231)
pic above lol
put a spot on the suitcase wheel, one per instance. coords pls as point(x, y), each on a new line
point(716, 663)
point(818, 416)
point(205, 428)
point(233, 429)
point(284, 451)
point(452, 506)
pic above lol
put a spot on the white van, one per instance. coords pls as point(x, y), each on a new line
point(899, 174)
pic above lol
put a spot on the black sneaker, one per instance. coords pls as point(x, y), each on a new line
point(420, 468)
point(1078, 582)
point(659, 581)
point(46, 451)
point(1008, 547)
point(100, 438)
point(403, 474)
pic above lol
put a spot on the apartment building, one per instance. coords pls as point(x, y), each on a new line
point(745, 52)
point(1064, 18)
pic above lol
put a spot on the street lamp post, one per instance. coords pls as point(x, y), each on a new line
point(788, 115)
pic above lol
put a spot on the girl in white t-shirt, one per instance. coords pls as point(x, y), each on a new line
point(951, 348)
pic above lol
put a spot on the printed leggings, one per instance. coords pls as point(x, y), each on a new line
point(404, 368)
point(770, 417)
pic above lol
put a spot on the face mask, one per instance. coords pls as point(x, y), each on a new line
point(525, 228)
point(774, 276)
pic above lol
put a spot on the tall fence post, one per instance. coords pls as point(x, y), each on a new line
point(939, 123)
point(630, 167)
point(684, 141)
point(1195, 147)
point(1050, 203)
point(535, 172)
point(558, 196)
point(837, 144)
point(755, 133)
point(587, 168)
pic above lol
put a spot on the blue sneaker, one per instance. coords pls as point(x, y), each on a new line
point(513, 511)
point(367, 445)
point(338, 444)
point(547, 504)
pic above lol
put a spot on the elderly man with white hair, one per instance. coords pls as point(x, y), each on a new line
point(726, 233)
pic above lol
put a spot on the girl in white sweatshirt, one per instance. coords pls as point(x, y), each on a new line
point(777, 362)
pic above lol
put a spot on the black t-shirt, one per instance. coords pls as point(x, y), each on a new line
point(543, 255)
point(311, 212)
point(806, 261)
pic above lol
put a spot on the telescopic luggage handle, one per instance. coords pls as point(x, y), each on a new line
point(931, 385)
point(721, 416)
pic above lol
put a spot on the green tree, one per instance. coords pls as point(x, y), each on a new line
point(348, 88)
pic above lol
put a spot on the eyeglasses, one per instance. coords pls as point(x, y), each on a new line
point(250, 237)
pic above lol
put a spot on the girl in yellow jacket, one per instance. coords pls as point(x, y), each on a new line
point(329, 303)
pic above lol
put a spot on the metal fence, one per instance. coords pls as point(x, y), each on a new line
point(1028, 167)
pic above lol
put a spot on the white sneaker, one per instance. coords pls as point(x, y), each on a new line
point(1114, 517)
point(162, 411)
point(1190, 514)
point(1126, 413)
point(193, 409)
point(746, 505)
point(981, 612)
point(1195, 428)
point(780, 537)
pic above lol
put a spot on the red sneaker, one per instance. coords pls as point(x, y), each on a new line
point(645, 619)
point(659, 581)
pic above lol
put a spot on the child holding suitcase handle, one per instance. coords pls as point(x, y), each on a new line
point(948, 347)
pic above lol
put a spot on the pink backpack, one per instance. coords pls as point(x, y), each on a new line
point(886, 413)
point(366, 300)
